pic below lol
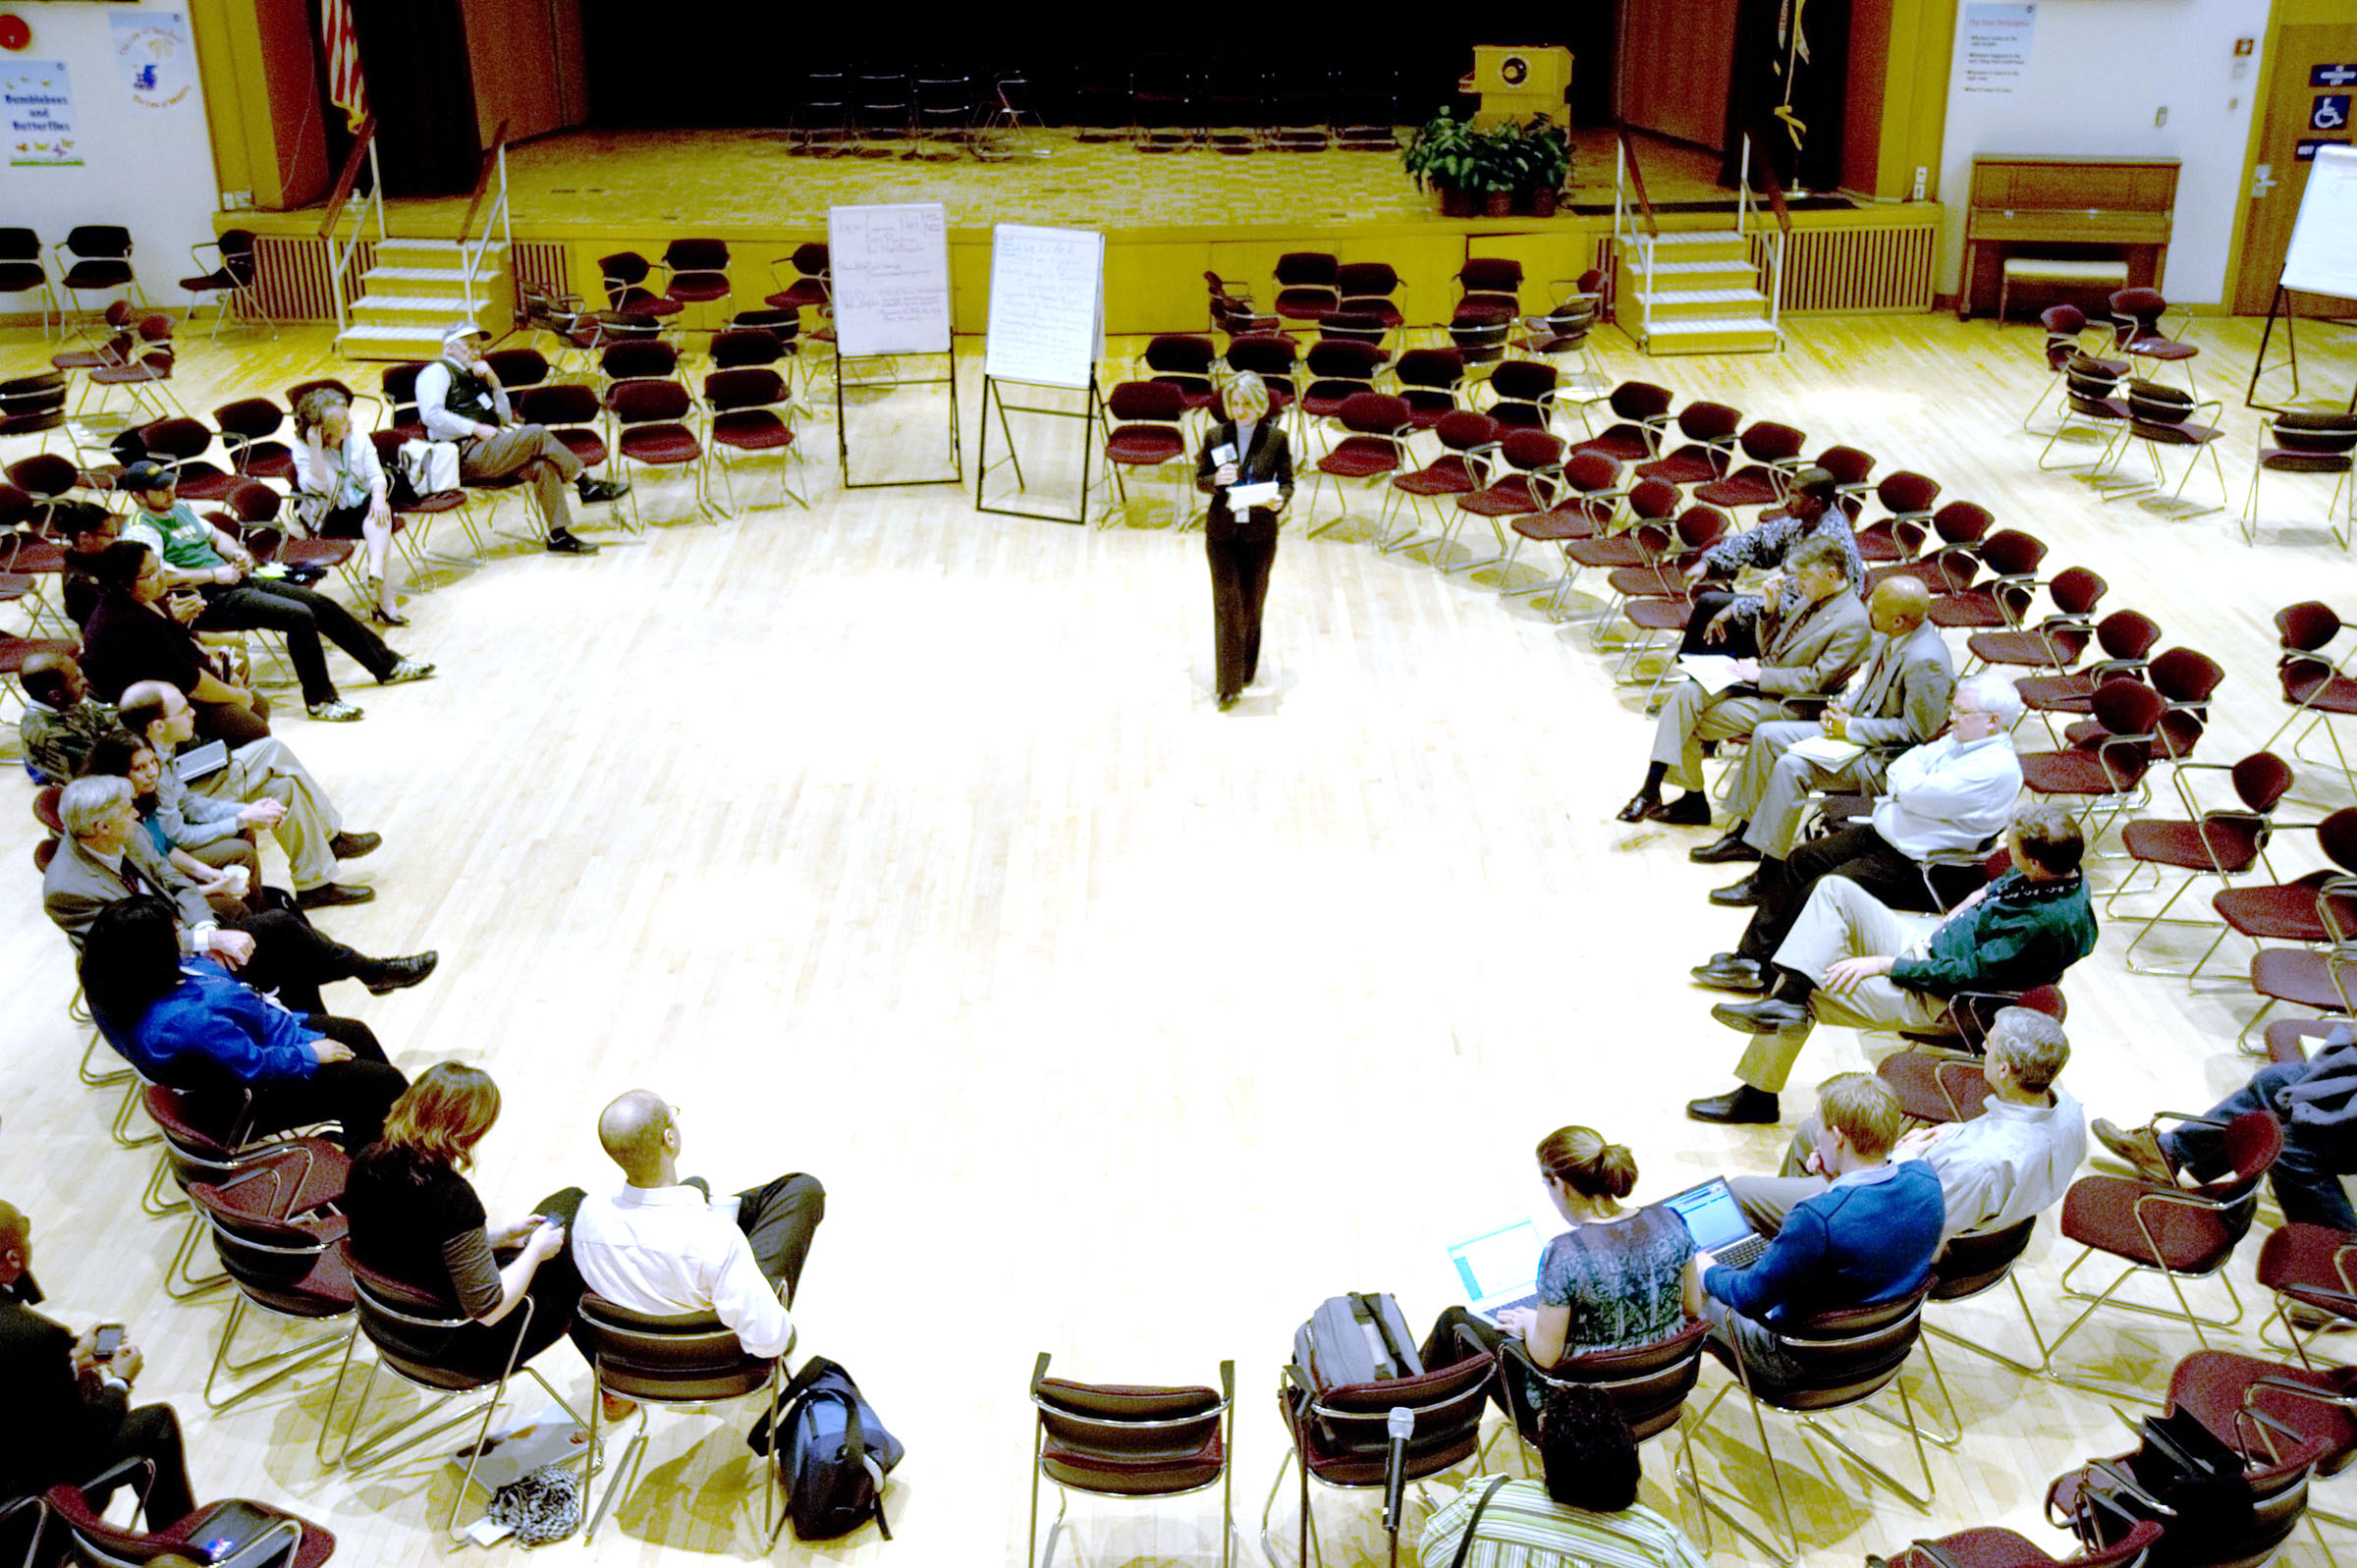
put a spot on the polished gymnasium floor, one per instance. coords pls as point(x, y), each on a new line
point(903, 844)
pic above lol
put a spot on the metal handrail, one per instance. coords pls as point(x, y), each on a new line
point(470, 251)
point(362, 143)
point(341, 255)
point(1636, 178)
point(1629, 175)
point(1784, 228)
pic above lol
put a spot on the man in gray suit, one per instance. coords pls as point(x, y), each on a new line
point(1900, 701)
point(1813, 634)
point(105, 856)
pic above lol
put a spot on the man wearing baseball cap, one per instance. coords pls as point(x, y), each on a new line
point(460, 400)
point(198, 555)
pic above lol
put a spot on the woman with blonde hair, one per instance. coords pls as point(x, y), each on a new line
point(336, 471)
point(1247, 447)
point(1618, 1278)
point(415, 1221)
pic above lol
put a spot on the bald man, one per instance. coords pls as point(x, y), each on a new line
point(1900, 701)
point(65, 1414)
point(662, 1247)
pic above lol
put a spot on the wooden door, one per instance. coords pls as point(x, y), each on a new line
point(2308, 100)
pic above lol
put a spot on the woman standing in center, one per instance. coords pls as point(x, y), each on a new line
point(1246, 448)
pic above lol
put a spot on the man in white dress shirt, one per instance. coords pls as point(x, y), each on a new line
point(2011, 1162)
point(1955, 792)
point(663, 1248)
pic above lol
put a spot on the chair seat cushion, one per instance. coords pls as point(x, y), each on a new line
point(2160, 349)
point(316, 551)
point(2298, 1261)
point(97, 275)
point(2024, 648)
point(2191, 845)
point(1746, 489)
point(1624, 444)
point(586, 445)
point(1450, 476)
point(1133, 1475)
point(1359, 458)
point(750, 430)
point(2066, 773)
point(1144, 445)
point(1505, 499)
point(2285, 461)
point(662, 444)
point(1934, 1086)
point(1660, 614)
point(19, 277)
point(1974, 606)
point(2337, 694)
point(2058, 693)
point(1686, 468)
point(1562, 525)
point(2272, 914)
point(2297, 976)
point(2177, 435)
point(2101, 1212)
point(1622, 550)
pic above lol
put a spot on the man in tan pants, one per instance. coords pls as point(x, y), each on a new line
point(460, 400)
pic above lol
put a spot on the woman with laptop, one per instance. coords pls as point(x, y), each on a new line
point(1619, 1276)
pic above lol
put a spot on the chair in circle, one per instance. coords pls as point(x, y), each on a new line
point(1836, 1359)
point(2308, 1265)
point(1898, 535)
point(1489, 289)
point(1468, 440)
point(1432, 380)
point(676, 1362)
point(33, 404)
point(95, 258)
point(1185, 359)
point(180, 444)
point(1990, 1547)
point(233, 277)
point(411, 518)
point(1774, 452)
point(2056, 641)
point(698, 273)
point(281, 1259)
point(1970, 1265)
point(1336, 370)
point(236, 1533)
point(2308, 442)
point(1590, 501)
point(2012, 558)
point(750, 410)
point(1274, 358)
point(1368, 293)
point(1640, 410)
point(2313, 681)
point(147, 373)
point(1560, 337)
point(1648, 1384)
point(2169, 416)
point(1372, 449)
point(1527, 479)
point(2066, 340)
point(1131, 1441)
point(22, 270)
point(1336, 1436)
point(2175, 1233)
point(1145, 430)
point(2092, 404)
point(1308, 286)
point(2138, 334)
point(650, 430)
point(2222, 842)
point(1522, 395)
point(249, 430)
point(1710, 432)
point(625, 274)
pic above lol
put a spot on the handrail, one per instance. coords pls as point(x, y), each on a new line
point(482, 179)
point(1775, 195)
point(350, 175)
point(1636, 178)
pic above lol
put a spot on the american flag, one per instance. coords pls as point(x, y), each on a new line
point(345, 89)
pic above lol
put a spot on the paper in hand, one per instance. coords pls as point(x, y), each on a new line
point(1264, 494)
point(1714, 673)
point(1828, 753)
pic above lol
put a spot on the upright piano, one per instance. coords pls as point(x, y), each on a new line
point(2033, 204)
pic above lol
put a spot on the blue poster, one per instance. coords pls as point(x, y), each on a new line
point(40, 99)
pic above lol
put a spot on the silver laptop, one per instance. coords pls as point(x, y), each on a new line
point(1716, 1223)
point(1498, 1268)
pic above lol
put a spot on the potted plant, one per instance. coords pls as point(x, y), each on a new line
point(1442, 155)
point(1498, 168)
point(1546, 157)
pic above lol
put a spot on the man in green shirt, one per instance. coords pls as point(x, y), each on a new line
point(197, 554)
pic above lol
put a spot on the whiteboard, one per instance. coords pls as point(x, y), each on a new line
point(1047, 306)
point(891, 266)
point(2323, 258)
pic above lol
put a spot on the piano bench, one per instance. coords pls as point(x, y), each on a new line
point(2033, 269)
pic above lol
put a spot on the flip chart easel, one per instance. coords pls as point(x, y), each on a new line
point(1046, 331)
point(891, 269)
point(2321, 259)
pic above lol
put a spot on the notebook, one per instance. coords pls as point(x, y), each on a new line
point(1716, 1223)
point(1498, 1268)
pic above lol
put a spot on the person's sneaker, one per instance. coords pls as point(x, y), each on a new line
point(2140, 1146)
point(407, 671)
point(594, 491)
point(352, 845)
point(328, 894)
point(393, 974)
point(338, 712)
point(564, 543)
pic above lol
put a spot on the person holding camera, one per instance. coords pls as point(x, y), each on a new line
point(68, 1398)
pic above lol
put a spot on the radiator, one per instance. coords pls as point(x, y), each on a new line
point(1853, 269)
point(542, 263)
point(292, 277)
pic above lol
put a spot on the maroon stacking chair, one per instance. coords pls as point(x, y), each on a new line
point(570, 411)
point(2168, 416)
point(2011, 558)
point(2186, 679)
point(111, 340)
point(1962, 529)
point(1144, 429)
point(1431, 380)
point(1184, 361)
point(1468, 440)
point(1989, 1546)
point(2313, 1267)
point(1130, 1440)
point(2294, 911)
point(2308, 442)
point(1489, 289)
point(23, 272)
point(1233, 313)
point(2274, 1408)
point(2111, 772)
point(1709, 430)
point(750, 408)
point(2313, 683)
point(274, 1231)
point(2065, 333)
point(1650, 540)
point(1590, 499)
point(25, 553)
point(1367, 294)
point(645, 360)
point(2177, 1233)
point(1939, 1078)
point(2219, 841)
point(1522, 395)
point(411, 518)
point(399, 385)
point(1773, 450)
point(33, 404)
point(1480, 340)
point(147, 374)
point(95, 258)
point(1274, 360)
point(1657, 600)
point(232, 277)
point(2303, 976)
point(2057, 640)
point(234, 1531)
point(1852, 468)
point(1373, 448)
point(697, 273)
point(812, 287)
point(1648, 1384)
point(1336, 1436)
point(625, 274)
point(2092, 403)
point(2138, 334)
point(1641, 412)
point(1563, 331)
point(740, 348)
point(1526, 478)
point(1906, 498)
point(1308, 286)
point(2125, 639)
point(649, 421)
point(180, 444)
point(1335, 370)
point(249, 430)
point(518, 367)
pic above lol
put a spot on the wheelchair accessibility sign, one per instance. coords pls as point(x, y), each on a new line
point(2330, 112)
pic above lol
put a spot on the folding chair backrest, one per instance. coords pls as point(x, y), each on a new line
point(1157, 402)
point(1374, 414)
point(681, 1359)
point(2076, 591)
point(747, 346)
point(1971, 1264)
point(1708, 422)
point(1844, 1355)
point(648, 402)
point(562, 403)
point(645, 360)
point(1639, 401)
point(747, 386)
point(1647, 1384)
point(1133, 1425)
point(1907, 493)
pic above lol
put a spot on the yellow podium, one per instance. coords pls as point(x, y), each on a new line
point(1518, 80)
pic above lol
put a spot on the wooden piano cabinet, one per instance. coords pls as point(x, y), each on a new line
point(2072, 208)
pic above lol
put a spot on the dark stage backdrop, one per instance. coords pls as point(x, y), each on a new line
point(726, 63)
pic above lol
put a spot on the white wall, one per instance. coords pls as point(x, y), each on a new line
point(149, 170)
point(2098, 71)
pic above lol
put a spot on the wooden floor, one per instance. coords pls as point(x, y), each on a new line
point(903, 844)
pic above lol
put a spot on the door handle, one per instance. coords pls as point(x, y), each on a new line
point(2263, 180)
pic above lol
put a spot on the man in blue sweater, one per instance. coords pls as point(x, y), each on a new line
point(1869, 1237)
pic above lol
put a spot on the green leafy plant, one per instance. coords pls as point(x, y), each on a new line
point(1546, 152)
point(1444, 154)
point(1498, 160)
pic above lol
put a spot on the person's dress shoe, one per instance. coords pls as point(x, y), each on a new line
point(2140, 1146)
point(1770, 1015)
point(1690, 810)
point(1730, 971)
point(328, 894)
point(1743, 894)
point(1743, 1106)
point(594, 491)
point(1227, 701)
point(562, 543)
point(396, 974)
point(1639, 807)
point(1725, 851)
point(352, 845)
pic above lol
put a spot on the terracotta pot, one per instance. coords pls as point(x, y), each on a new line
point(1543, 202)
point(1498, 204)
point(1459, 204)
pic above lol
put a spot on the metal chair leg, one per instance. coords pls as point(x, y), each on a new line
point(281, 1364)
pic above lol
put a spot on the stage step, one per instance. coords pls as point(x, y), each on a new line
point(1714, 335)
point(416, 288)
point(1701, 294)
point(1678, 305)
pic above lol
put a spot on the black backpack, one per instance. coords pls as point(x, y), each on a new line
point(832, 1453)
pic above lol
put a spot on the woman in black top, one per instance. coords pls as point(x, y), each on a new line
point(416, 1220)
point(137, 632)
point(1245, 447)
